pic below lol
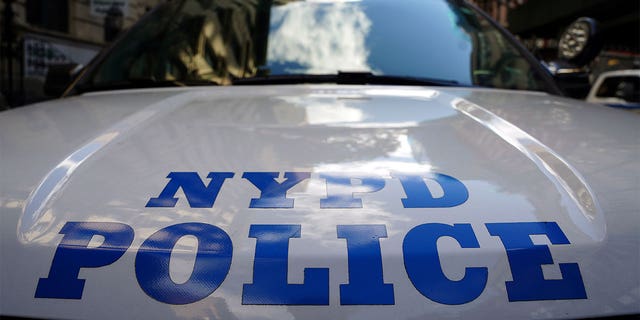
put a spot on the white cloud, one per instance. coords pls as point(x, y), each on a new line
point(320, 38)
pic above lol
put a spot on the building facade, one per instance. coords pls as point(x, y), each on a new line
point(38, 33)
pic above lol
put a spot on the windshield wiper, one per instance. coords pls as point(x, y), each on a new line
point(139, 83)
point(344, 78)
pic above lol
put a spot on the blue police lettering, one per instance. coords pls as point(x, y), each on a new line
point(73, 253)
point(423, 266)
point(525, 260)
point(270, 271)
point(213, 260)
point(269, 286)
point(366, 285)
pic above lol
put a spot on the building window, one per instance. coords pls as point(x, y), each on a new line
point(49, 14)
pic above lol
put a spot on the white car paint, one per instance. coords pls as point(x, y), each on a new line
point(523, 156)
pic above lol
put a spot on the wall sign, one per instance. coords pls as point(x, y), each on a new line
point(100, 7)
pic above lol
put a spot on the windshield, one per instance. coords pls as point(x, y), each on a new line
point(224, 41)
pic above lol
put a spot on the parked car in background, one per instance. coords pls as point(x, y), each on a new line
point(374, 159)
point(618, 89)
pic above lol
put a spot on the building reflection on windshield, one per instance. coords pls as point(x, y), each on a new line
point(191, 40)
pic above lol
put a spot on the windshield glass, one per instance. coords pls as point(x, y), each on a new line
point(221, 41)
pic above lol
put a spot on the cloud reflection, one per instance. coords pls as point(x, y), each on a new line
point(319, 38)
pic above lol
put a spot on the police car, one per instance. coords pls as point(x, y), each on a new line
point(318, 160)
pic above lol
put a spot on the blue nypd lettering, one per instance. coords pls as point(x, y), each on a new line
point(365, 285)
point(198, 195)
point(343, 190)
point(272, 193)
point(419, 196)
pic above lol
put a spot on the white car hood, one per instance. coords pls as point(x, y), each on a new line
point(522, 157)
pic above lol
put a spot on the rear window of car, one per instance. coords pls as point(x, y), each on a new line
point(624, 87)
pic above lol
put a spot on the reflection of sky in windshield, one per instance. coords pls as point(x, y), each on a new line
point(318, 38)
point(403, 41)
point(378, 36)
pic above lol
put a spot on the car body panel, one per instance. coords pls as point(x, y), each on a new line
point(523, 156)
